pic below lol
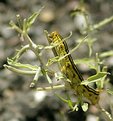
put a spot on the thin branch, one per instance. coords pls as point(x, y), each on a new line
point(50, 88)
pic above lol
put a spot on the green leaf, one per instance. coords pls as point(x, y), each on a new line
point(19, 71)
point(75, 107)
point(68, 101)
point(52, 60)
point(36, 77)
point(85, 107)
point(105, 54)
point(14, 26)
point(20, 65)
point(90, 41)
point(32, 18)
point(94, 78)
point(49, 79)
point(97, 76)
point(64, 100)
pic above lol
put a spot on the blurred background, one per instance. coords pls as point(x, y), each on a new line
point(17, 101)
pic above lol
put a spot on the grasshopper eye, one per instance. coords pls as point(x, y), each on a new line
point(50, 39)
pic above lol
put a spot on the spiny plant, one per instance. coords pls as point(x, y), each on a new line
point(63, 58)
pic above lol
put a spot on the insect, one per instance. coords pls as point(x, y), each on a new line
point(69, 69)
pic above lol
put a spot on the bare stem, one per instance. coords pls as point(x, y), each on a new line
point(102, 23)
point(50, 88)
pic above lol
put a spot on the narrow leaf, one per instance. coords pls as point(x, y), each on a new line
point(94, 78)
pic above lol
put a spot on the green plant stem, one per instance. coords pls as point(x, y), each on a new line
point(37, 74)
point(106, 115)
point(20, 52)
point(34, 48)
point(50, 88)
point(101, 24)
point(20, 71)
point(36, 51)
